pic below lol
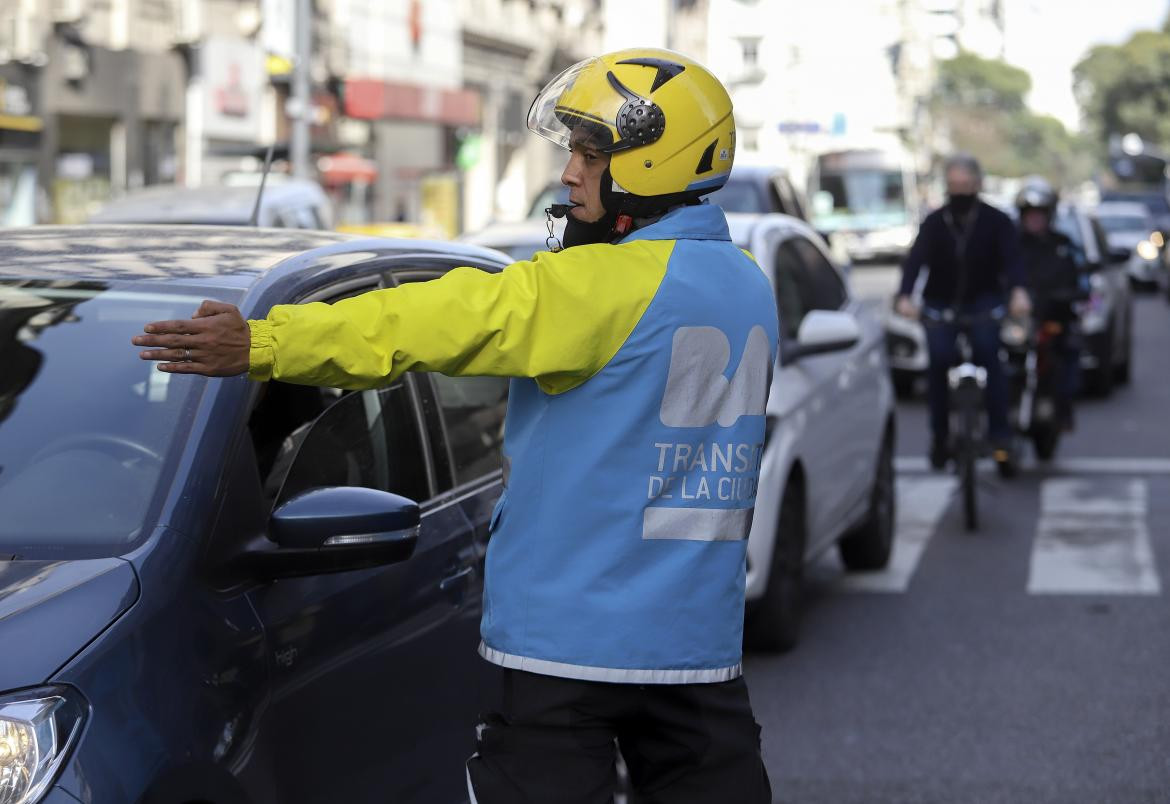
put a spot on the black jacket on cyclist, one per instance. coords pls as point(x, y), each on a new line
point(971, 253)
point(1054, 278)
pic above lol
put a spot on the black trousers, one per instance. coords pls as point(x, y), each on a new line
point(552, 740)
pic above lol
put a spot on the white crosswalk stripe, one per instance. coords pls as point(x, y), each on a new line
point(921, 503)
point(1092, 538)
point(1092, 535)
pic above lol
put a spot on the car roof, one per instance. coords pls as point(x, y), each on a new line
point(755, 171)
point(217, 204)
point(214, 256)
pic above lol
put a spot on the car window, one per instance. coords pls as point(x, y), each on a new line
point(740, 195)
point(790, 296)
point(473, 411)
point(825, 291)
point(466, 416)
point(82, 422)
point(365, 438)
point(789, 203)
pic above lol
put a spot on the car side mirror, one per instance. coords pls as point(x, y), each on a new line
point(1119, 255)
point(336, 529)
point(822, 332)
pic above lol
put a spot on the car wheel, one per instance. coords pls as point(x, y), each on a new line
point(1121, 371)
point(774, 623)
point(904, 383)
point(868, 546)
point(1100, 380)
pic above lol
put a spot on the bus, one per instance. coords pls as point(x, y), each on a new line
point(864, 201)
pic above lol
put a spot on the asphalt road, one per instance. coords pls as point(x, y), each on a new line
point(1028, 662)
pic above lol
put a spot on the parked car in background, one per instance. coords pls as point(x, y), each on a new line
point(202, 580)
point(752, 189)
point(1132, 233)
point(286, 204)
point(827, 472)
point(760, 190)
point(518, 240)
point(1106, 318)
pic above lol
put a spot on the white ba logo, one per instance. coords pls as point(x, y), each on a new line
point(697, 393)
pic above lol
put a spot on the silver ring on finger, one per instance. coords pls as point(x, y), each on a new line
point(186, 355)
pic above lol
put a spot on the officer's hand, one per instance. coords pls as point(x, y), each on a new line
point(1020, 305)
point(215, 342)
point(905, 307)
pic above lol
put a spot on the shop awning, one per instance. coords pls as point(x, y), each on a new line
point(343, 167)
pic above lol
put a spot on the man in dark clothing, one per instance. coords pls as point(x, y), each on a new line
point(1056, 283)
point(972, 251)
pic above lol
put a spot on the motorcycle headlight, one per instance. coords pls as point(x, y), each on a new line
point(1157, 239)
point(38, 728)
point(1013, 333)
point(1147, 250)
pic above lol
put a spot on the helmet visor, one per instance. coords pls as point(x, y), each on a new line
point(579, 106)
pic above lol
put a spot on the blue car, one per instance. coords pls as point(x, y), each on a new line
point(225, 591)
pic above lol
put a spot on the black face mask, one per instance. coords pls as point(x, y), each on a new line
point(961, 203)
point(579, 233)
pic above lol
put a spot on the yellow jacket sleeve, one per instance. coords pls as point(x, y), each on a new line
point(558, 318)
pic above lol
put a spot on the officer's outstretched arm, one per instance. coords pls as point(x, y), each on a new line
point(558, 318)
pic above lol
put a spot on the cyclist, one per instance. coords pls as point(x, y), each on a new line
point(1055, 282)
point(972, 249)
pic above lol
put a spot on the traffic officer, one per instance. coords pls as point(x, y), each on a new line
point(642, 355)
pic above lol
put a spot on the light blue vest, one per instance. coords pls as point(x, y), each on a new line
point(618, 549)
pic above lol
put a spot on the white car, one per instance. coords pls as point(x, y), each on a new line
point(827, 476)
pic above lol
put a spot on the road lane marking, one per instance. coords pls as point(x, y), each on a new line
point(914, 464)
point(1092, 538)
point(922, 501)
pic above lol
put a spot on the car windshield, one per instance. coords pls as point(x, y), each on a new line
point(739, 195)
point(86, 427)
point(865, 191)
point(1124, 223)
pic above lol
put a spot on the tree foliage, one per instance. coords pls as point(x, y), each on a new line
point(982, 103)
point(1126, 88)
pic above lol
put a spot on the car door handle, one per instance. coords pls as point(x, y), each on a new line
point(453, 583)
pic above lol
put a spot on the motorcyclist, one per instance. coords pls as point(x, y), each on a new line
point(972, 250)
point(1055, 282)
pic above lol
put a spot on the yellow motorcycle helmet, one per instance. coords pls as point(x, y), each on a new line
point(663, 118)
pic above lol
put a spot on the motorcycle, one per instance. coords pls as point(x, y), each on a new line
point(1034, 355)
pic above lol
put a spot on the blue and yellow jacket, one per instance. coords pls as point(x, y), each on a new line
point(633, 440)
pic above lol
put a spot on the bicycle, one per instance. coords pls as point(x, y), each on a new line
point(968, 384)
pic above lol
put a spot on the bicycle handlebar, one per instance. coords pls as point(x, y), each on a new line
point(947, 315)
